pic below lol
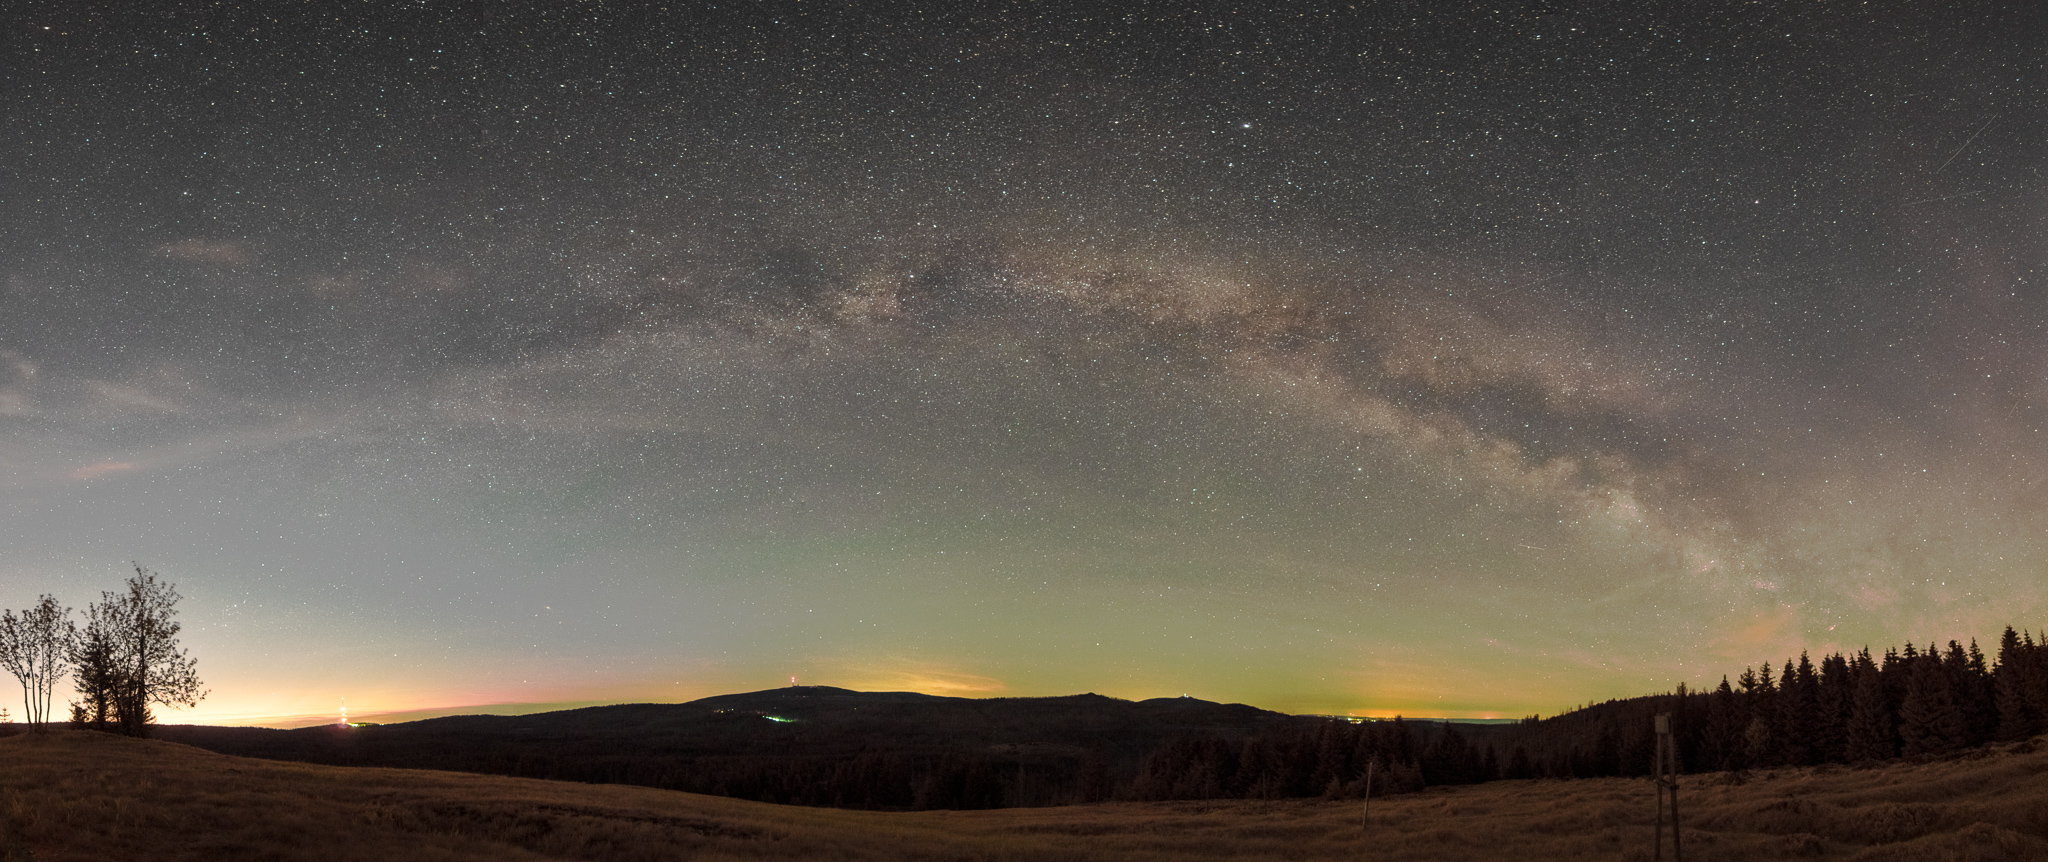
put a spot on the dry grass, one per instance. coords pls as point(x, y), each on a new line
point(85, 796)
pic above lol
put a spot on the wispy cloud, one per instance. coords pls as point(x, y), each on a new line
point(93, 471)
point(220, 253)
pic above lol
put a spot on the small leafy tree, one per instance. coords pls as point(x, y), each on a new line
point(129, 659)
point(35, 646)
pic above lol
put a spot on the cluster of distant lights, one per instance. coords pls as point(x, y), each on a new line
point(774, 718)
point(344, 722)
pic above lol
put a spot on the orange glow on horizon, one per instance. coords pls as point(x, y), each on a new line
point(1386, 714)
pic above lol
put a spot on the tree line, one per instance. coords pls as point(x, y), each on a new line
point(1331, 758)
point(123, 660)
point(1845, 709)
point(1855, 708)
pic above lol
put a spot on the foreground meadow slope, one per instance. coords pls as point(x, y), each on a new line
point(73, 795)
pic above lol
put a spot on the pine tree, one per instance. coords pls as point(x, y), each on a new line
point(1724, 728)
point(1930, 721)
point(2034, 678)
point(1975, 694)
point(2017, 718)
point(1605, 758)
point(1759, 745)
point(1896, 671)
point(1800, 692)
point(1400, 742)
point(1870, 730)
point(1448, 759)
point(1688, 712)
point(1519, 765)
point(1331, 745)
point(1831, 709)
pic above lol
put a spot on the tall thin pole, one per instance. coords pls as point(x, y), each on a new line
point(1365, 817)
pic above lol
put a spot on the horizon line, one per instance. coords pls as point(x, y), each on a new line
point(294, 721)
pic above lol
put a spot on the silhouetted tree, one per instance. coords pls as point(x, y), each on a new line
point(1400, 742)
point(1519, 765)
point(1725, 724)
point(2034, 678)
point(1332, 749)
point(1262, 770)
point(1761, 693)
point(35, 647)
point(1096, 784)
point(1831, 708)
point(1798, 698)
point(98, 675)
point(1450, 760)
point(1870, 731)
point(2017, 718)
point(1930, 722)
point(129, 659)
point(1975, 694)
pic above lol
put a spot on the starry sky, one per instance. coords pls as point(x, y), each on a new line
point(1421, 358)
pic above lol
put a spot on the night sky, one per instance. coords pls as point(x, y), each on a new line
point(1417, 358)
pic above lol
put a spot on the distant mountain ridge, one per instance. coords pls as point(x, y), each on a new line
point(1083, 717)
point(817, 745)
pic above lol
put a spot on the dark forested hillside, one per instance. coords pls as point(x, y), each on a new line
point(1843, 709)
point(814, 745)
point(808, 745)
point(1321, 757)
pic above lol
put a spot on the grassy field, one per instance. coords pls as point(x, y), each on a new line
point(72, 795)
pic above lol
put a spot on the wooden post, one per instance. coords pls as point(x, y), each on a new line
point(1666, 778)
point(1365, 817)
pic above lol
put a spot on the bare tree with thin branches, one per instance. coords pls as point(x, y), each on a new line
point(36, 647)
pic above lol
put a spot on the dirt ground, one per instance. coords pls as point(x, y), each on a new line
point(74, 795)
